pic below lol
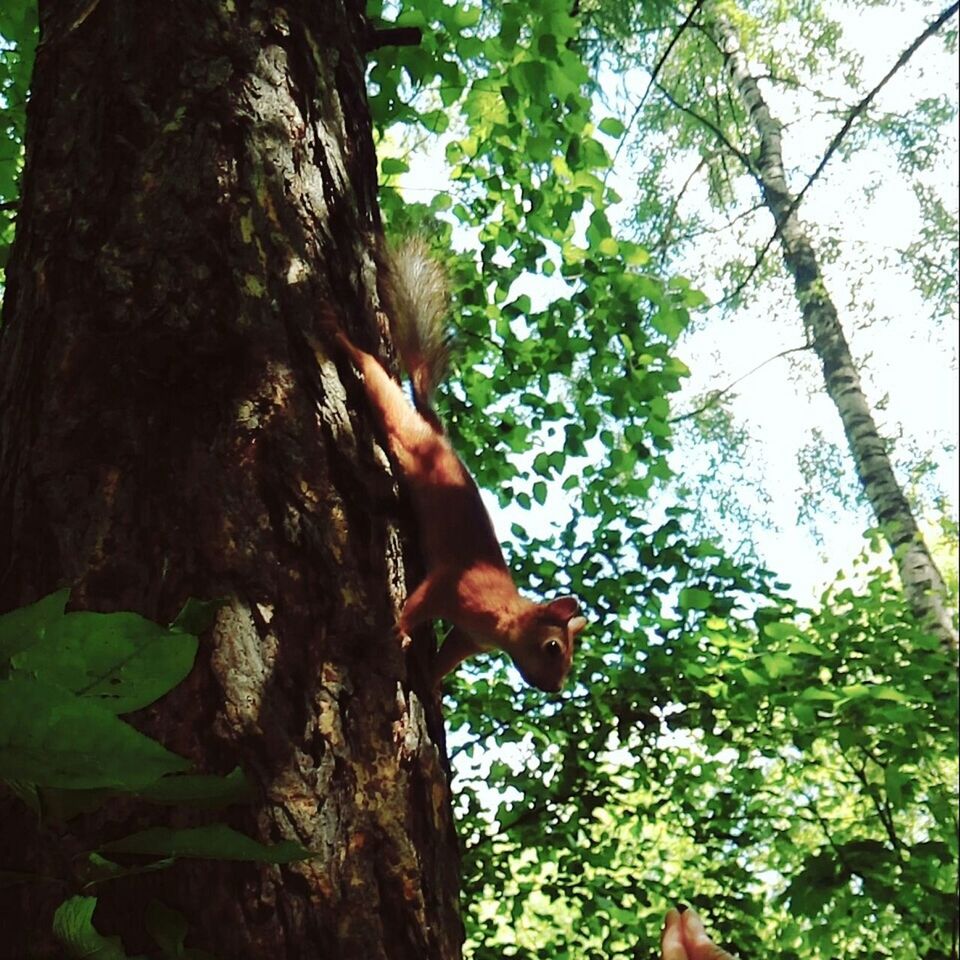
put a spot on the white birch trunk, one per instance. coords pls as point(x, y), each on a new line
point(922, 583)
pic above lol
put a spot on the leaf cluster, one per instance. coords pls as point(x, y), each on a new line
point(18, 39)
point(65, 681)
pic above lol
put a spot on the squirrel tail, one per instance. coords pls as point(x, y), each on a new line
point(415, 294)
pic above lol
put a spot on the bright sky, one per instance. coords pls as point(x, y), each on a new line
point(909, 364)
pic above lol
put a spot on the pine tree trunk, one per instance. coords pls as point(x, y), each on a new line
point(200, 189)
point(922, 582)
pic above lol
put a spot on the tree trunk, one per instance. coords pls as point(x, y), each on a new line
point(200, 189)
point(922, 583)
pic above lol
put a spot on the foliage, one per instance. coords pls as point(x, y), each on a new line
point(65, 679)
point(702, 754)
point(73, 927)
point(693, 150)
point(803, 796)
point(789, 772)
point(18, 38)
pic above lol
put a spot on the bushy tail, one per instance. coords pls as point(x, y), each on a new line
point(413, 287)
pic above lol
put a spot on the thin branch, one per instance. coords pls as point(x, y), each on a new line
point(855, 112)
point(825, 829)
point(653, 78)
point(902, 60)
point(716, 396)
point(711, 126)
point(672, 215)
point(882, 810)
point(918, 258)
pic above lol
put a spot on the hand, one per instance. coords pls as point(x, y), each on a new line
point(684, 938)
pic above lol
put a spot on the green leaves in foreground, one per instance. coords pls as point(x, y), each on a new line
point(73, 927)
point(214, 842)
point(65, 677)
point(53, 738)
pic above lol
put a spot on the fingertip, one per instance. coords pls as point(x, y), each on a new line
point(671, 940)
point(693, 924)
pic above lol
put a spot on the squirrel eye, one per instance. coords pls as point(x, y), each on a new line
point(552, 648)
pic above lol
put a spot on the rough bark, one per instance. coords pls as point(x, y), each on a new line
point(923, 584)
point(200, 189)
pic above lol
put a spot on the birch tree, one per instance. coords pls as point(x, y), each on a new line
point(922, 582)
point(708, 94)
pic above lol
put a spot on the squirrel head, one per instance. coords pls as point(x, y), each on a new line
point(545, 651)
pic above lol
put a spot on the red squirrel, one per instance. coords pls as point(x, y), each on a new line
point(467, 581)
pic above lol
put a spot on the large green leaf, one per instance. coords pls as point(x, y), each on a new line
point(122, 660)
point(73, 927)
point(53, 738)
point(26, 626)
point(201, 790)
point(214, 842)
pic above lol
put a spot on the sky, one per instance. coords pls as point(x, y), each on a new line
point(909, 364)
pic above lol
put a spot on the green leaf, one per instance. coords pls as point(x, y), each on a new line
point(53, 738)
point(781, 630)
point(393, 165)
point(693, 598)
point(201, 790)
point(894, 779)
point(25, 626)
point(214, 842)
point(637, 256)
point(73, 928)
point(804, 646)
point(167, 927)
point(670, 323)
point(753, 678)
point(197, 616)
point(122, 660)
point(101, 870)
point(777, 665)
point(612, 127)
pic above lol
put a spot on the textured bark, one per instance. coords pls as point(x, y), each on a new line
point(199, 189)
point(922, 583)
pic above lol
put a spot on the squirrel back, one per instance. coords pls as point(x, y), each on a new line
point(467, 581)
point(415, 294)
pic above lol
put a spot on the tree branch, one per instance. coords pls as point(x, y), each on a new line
point(902, 60)
point(718, 394)
point(653, 77)
point(855, 112)
point(711, 126)
point(672, 215)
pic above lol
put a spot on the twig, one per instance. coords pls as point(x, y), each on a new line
point(653, 78)
point(855, 112)
point(717, 394)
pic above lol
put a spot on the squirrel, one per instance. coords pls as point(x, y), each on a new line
point(467, 581)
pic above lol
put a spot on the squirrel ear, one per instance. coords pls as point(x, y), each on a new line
point(576, 625)
point(563, 609)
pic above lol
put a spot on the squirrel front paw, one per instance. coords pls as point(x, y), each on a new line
point(401, 635)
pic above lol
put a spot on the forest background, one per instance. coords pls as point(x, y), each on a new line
point(761, 722)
